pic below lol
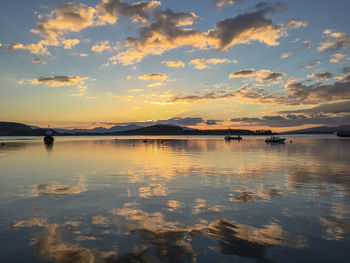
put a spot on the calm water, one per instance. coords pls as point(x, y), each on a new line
point(181, 199)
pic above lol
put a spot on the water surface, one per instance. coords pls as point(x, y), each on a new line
point(174, 199)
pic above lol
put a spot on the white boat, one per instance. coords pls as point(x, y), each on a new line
point(275, 139)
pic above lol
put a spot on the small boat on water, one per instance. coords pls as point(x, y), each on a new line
point(228, 136)
point(343, 134)
point(48, 139)
point(275, 139)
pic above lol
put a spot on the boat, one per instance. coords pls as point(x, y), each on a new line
point(343, 134)
point(48, 139)
point(275, 139)
point(228, 136)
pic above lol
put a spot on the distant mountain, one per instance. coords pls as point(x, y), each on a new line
point(320, 130)
point(100, 130)
point(161, 129)
point(19, 129)
point(13, 128)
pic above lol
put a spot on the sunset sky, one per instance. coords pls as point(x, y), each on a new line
point(199, 63)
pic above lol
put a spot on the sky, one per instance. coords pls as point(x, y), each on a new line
point(203, 64)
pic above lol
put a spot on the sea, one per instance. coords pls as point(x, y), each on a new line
point(174, 199)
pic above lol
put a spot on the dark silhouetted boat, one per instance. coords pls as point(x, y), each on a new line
point(48, 139)
point(343, 134)
point(228, 136)
point(275, 139)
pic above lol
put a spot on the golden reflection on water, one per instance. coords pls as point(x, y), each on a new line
point(164, 196)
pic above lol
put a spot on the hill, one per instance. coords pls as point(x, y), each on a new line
point(13, 128)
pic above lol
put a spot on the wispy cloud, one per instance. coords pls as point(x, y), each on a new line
point(174, 64)
point(335, 41)
point(203, 63)
point(154, 76)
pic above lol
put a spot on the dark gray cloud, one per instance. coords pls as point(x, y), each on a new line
point(273, 76)
point(337, 107)
point(346, 70)
point(180, 121)
point(297, 93)
point(37, 60)
point(334, 44)
point(110, 10)
point(235, 30)
point(211, 122)
point(321, 75)
point(207, 96)
point(57, 81)
point(291, 120)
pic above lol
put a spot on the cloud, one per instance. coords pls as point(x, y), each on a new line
point(180, 121)
point(335, 41)
point(260, 75)
point(286, 55)
point(69, 43)
point(164, 33)
point(336, 58)
point(246, 73)
point(273, 76)
point(167, 32)
point(202, 63)
point(135, 90)
point(321, 75)
point(58, 81)
point(155, 84)
point(295, 93)
point(253, 26)
point(101, 46)
point(312, 64)
point(213, 95)
point(37, 60)
point(33, 48)
point(108, 11)
point(154, 76)
point(67, 18)
point(291, 120)
point(84, 55)
point(336, 107)
point(174, 64)
point(211, 122)
point(221, 3)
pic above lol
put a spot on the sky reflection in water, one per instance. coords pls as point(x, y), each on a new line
point(174, 200)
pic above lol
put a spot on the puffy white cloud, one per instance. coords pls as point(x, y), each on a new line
point(67, 18)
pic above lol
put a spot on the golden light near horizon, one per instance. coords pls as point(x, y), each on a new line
point(243, 64)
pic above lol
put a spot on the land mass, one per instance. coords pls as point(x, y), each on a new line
point(19, 129)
